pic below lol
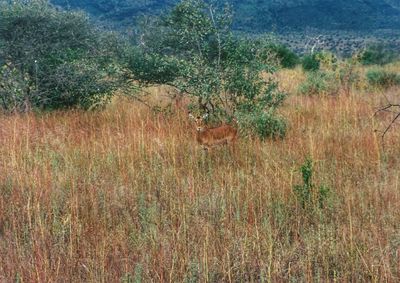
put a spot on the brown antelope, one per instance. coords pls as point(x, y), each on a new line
point(210, 137)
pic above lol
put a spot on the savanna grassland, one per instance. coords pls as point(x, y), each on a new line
point(126, 195)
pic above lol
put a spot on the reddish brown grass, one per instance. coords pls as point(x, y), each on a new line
point(126, 195)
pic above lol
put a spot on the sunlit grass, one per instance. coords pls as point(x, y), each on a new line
point(127, 195)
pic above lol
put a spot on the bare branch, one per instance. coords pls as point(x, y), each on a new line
point(385, 108)
point(388, 108)
point(390, 125)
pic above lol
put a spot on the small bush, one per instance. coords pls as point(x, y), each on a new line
point(263, 124)
point(318, 83)
point(334, 77)
point(260, 118)
point(377, 55)
point(310, 63)
point(382, 79)
point(327, 60)
point(286, 57)
point(308, 194)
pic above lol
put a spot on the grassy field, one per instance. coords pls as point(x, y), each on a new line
point(126, 195)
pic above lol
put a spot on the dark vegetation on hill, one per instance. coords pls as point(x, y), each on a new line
point(342, 27)
point(120, 11)
point(266, 15)
point(324, 15)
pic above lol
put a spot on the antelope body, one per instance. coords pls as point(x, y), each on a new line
point(210, 137)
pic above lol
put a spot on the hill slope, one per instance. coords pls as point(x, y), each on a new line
point(257, 16)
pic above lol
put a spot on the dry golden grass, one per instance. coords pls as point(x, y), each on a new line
point(126, 195)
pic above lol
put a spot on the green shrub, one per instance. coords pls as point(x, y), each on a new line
point(264, 124)
point(382, 79)
point(309, 195)
point(153, 68)
point(318, 83)
point(287, 58)
point(377, 55)
point(310, 62)
point(334, 77)
point(253, 119)
point(327, 60)
point(53, 59)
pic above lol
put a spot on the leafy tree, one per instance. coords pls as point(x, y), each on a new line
point(53, 59)
point(193, 49)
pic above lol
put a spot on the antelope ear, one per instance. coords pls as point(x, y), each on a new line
point(191, 116)
point(205, 116)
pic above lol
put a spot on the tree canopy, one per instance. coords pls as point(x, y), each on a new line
point(194, 50)
point(53, 59)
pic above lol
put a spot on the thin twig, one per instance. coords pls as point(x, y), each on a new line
point(387, 108)
point(390, 125)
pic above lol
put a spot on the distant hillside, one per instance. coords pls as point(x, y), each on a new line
point(257, 16)
point(119, 11)
point(321, 14)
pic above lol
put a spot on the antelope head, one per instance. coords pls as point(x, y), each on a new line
point(199, 121)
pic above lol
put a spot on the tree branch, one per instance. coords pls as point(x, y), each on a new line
point(386, 109)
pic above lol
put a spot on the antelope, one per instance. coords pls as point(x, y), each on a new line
point(210, 137)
